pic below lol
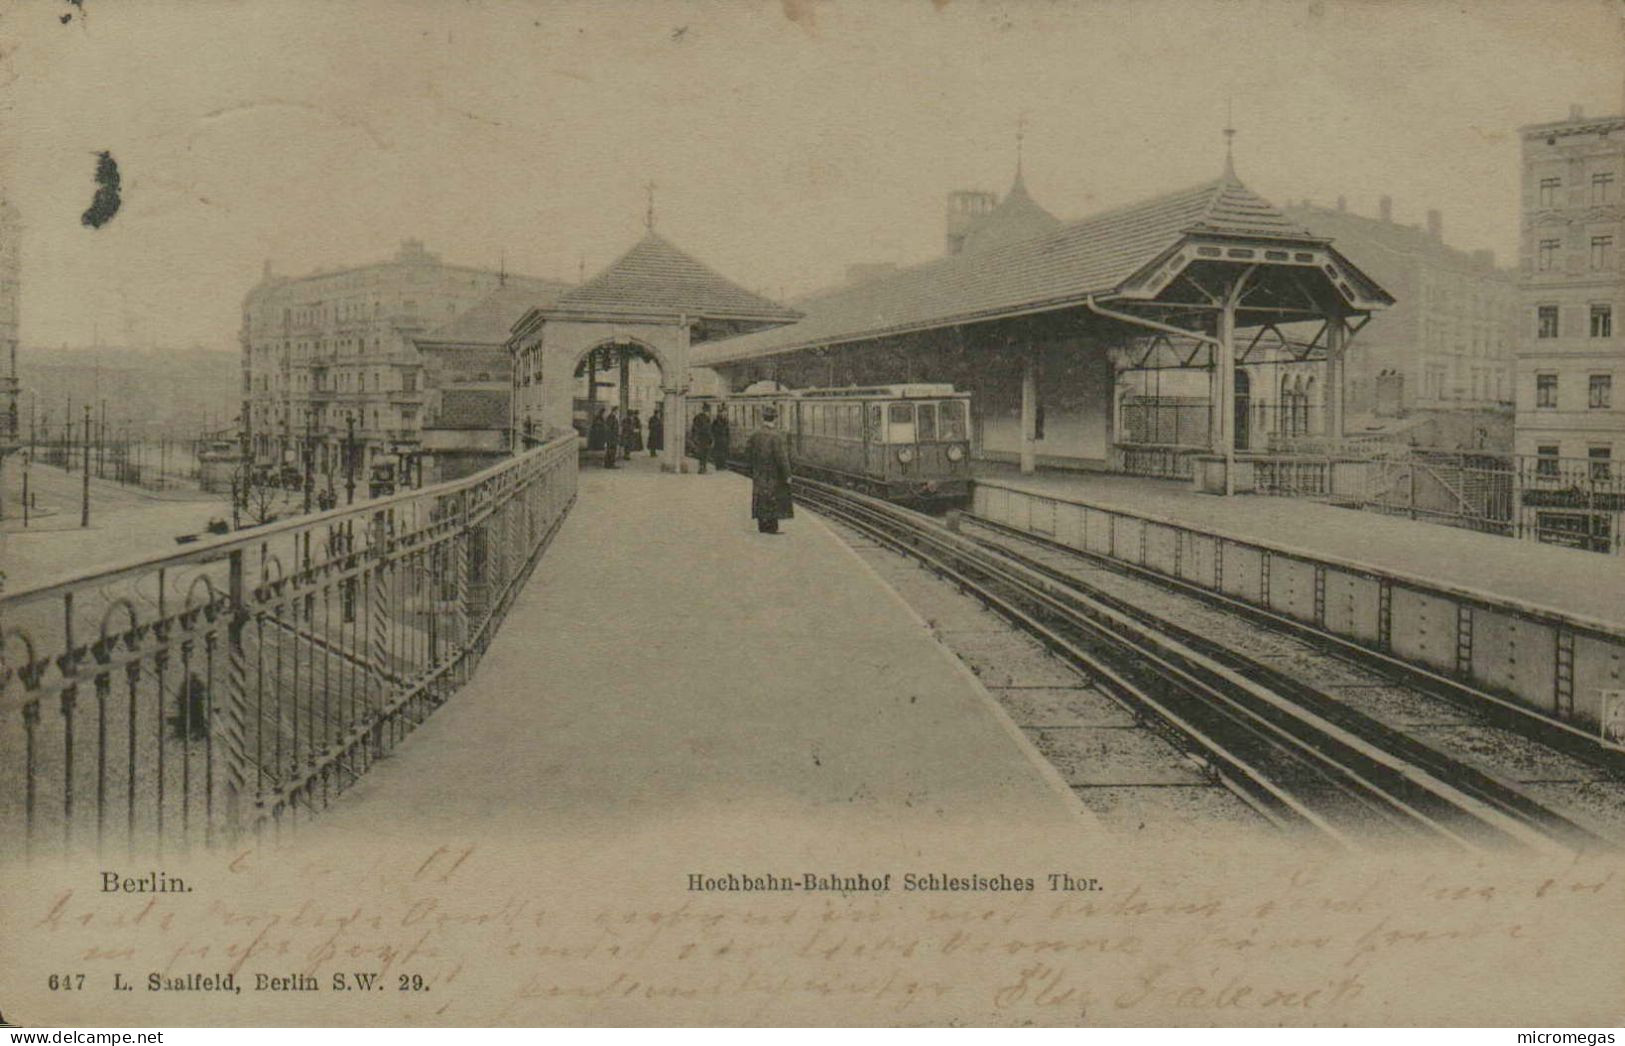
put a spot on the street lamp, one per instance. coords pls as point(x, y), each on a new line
point(310, 455)
point(349, 457)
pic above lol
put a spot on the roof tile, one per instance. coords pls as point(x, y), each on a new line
point(1091, 256)
point(654, 276)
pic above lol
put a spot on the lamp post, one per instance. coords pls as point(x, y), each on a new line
point(84, 493)
point(349, 457)
point(310, 455)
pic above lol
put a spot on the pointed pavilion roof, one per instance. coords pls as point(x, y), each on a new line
point(656, 277)
point(488, 321)
point(1017, 217)
point(1091, 257)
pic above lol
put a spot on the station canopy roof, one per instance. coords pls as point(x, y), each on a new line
point(488, 321)
point(1133, 253)
point(654, 278)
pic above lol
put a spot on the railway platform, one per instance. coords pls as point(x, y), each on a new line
point(1529, 628)
point(1565, 581)
point(665, 658)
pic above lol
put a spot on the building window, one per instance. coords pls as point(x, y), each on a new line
point(1548, 191)
point(1601, 249)
point(1546, 390)
point(1546, 461)
point(1548, 254)
point(1602, 321)
point(1600, 391)
point(1547, 326)
point(1602, 187)
point(1600, 459)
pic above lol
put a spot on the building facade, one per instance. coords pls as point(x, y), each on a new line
point(1570, 353)
point(324, 352)
point(10, 285)
point(1447, 342)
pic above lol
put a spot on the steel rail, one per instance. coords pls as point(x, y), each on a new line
point(1244, 728)
point(1563, 737)
point(1479, 784)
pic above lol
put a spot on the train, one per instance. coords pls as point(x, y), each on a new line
point(908, 443)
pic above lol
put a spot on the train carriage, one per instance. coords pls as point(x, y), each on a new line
point(906, 443)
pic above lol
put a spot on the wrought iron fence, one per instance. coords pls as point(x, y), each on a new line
point(1577, 502)
point(1165, 422)
point(1155, 462)
point(243, 683)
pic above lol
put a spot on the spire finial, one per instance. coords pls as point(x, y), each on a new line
point(1021, 133)
point(1229, 138)
point(649, 215)
point(502, 268)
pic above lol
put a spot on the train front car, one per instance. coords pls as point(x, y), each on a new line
point(922, 443)
point(904, 443)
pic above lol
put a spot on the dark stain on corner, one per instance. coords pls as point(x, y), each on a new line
point(106, 203)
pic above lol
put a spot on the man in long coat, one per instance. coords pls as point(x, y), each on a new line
point(637, 434)
point(719, 440)
point(657, 432)
point(629, 435)
point(700, 435)
point(769, 457)
point(612, 438)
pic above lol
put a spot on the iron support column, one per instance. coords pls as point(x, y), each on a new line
point(1029, 412)
point(674, 411)
point(1336, 344)
point(1224, 370)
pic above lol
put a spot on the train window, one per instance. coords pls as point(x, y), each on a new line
point(926, 426)
point(900, 423)
point(951, 415)
point(876, 431)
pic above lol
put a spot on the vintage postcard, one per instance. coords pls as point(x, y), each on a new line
point(812, 512)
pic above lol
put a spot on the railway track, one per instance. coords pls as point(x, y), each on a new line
point(1298, 756)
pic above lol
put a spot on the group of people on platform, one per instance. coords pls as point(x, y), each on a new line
point(621, 436)
point(709, 440)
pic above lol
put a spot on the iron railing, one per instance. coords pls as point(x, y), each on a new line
point(1164, 422)
point(243, 683)
point(1579, 502)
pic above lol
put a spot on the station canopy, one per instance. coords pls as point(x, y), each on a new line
point(1162, 258)
point(656, 281)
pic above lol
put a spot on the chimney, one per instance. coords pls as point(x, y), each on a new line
point(1436, 225)
point(1342, 203)
point(965, 206)
point(266, 274)
point(1576, 112)
point(1385, 208)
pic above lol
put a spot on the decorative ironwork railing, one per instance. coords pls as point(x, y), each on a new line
point(247, 681)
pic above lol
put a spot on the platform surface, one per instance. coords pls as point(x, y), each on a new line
point(665, 657)
point(1568, 581)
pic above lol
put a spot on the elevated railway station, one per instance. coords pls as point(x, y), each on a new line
point(547, 641)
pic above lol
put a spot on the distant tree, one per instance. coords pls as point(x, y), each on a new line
point(255, 500)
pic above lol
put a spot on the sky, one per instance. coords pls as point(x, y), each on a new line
point(786, 139)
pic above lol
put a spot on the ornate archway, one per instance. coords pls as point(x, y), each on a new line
point(654, 298)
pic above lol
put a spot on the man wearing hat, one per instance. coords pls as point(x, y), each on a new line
point(769, 459)
point(700, 436)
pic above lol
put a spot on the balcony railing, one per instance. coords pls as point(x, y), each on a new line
point(241, 684)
